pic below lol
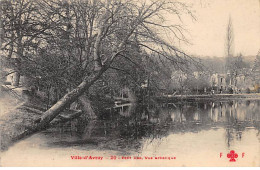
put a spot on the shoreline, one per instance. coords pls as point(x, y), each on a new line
point(19, 122)
point(244, 96)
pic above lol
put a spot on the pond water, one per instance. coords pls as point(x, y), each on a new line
point(185, 133)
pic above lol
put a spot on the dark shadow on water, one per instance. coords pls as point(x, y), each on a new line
point(124, 128)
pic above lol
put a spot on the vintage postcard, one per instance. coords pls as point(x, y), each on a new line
point(130, 83)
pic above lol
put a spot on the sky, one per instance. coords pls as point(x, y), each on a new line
point(207, 33)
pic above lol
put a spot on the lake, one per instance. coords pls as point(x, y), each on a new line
point(165, 134)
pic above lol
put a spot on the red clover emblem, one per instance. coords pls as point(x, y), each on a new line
point(232, 155)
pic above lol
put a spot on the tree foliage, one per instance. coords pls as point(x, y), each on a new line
point(256, 69)
point(70, 45)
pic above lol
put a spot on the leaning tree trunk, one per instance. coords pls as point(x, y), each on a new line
point(69, 98)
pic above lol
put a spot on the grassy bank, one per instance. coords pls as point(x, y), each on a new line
point(18, 116)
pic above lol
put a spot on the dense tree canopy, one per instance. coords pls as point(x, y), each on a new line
point(69, 45)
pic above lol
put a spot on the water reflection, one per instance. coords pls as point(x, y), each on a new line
point(124, 128)
point(192, 132)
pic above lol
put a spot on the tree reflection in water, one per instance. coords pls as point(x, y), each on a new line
point(125, 127)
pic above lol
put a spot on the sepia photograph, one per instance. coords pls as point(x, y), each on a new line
point(130, 83)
